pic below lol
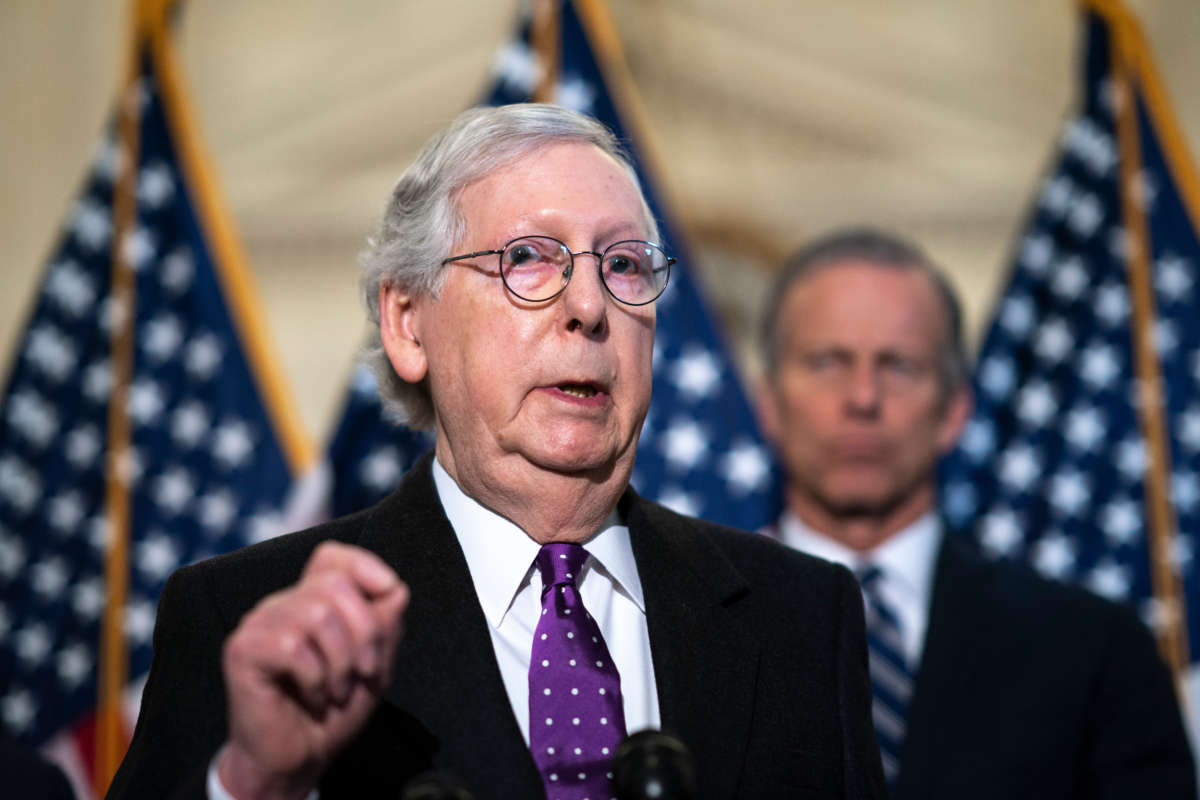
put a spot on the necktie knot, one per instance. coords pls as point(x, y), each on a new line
point(868, 576)
point(559, 563)
point(881, 614)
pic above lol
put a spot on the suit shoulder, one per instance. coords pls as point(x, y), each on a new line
point(759, 558)
point(1016, 591)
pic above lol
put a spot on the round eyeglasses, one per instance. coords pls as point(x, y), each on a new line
point(538, 268)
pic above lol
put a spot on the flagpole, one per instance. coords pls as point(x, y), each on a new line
point(1166, 581)
point(149, 36)
point(114, 658)
point(547, 43)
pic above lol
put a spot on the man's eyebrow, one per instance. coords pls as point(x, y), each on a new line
point(610, 229)
point(821, 345)
point(618, 231)
point(621, 230)
point(892, 353)
point(806, 350)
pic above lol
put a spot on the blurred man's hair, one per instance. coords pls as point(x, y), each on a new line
point(879, 249)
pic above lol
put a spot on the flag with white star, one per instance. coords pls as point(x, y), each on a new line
point(1052, 467)
point(700, 451)
point(206, 469)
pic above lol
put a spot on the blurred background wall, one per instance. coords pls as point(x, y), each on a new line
point(773, 120)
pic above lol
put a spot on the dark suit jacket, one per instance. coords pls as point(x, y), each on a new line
point(758, 653)
point(1032, 689)
point(26, 774)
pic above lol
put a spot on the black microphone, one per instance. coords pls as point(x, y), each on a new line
point(652, 765)
point(435, 786)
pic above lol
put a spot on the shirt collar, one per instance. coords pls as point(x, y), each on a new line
point(907, 557)
point(613, 553)
point(500, 555)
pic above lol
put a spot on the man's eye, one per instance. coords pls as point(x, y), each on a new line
point(521, 254)
point(622, 265)
point(817, 361)
point(903, 366)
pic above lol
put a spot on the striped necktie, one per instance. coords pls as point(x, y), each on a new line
point(891, 679)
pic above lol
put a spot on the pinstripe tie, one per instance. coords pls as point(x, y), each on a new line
point(891, 680)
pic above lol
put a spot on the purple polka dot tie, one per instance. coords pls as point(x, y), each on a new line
point(575, 716)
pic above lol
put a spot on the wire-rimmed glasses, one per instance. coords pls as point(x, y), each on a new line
point(538, 268)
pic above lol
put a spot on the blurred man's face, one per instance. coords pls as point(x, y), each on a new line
point(856, 407)
point(562, 385)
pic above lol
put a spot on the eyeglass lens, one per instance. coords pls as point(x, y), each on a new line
point(536, 268)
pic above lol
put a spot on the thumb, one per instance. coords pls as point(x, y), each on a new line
point(391, 606)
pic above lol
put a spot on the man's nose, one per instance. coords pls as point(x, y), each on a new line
point(585, 299)
point(864, 392)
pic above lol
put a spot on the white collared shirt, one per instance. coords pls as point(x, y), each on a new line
point(509, 587)
point(906, 560)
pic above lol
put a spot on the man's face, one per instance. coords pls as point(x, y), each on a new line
point(856, 407)
point(562, 385)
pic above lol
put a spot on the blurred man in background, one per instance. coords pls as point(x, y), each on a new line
point(988, 680)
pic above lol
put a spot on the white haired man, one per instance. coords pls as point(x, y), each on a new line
point(513, 282)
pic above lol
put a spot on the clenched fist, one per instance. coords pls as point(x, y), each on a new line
point(304, 669)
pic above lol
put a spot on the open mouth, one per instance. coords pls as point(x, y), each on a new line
point(581, 390)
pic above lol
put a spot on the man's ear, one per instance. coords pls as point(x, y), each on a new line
point(958, 410)
point(399, 331)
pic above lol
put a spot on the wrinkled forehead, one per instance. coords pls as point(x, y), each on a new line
point(547, 175)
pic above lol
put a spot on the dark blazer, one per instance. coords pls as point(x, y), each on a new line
point(27, 775)
point(758, 654)
point(1033, 689)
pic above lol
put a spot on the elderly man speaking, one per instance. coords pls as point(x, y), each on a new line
point(513, 281)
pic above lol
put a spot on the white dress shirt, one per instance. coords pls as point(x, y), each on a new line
point(906, 561)
point(509, 587)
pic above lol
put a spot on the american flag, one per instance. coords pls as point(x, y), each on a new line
point(1053, 467)
point(700, 452)
point(206, 468)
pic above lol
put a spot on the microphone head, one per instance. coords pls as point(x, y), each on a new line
point(435, 786)
point(653, 765)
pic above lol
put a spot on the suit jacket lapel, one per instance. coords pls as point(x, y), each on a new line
point(705, 664)
point(446, 677)
point(948, 672)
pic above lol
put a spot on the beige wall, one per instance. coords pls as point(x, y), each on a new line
point(774, 120)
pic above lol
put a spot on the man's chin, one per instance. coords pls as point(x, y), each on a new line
point(576, 461)
point(849, 512)
point(588, 452)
